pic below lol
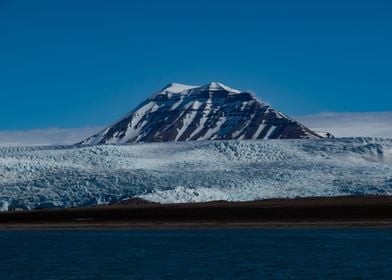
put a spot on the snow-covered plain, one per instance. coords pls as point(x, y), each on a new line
point(236, 170)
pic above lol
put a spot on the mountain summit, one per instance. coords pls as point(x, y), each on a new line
point(191, 113)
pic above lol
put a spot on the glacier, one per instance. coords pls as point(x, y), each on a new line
point(196, 171)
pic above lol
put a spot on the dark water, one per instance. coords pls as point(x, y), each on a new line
point(197, 254)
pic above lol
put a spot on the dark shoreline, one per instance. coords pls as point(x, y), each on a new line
point(317, 212)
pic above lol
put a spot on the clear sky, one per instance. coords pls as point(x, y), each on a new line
point(85, 63)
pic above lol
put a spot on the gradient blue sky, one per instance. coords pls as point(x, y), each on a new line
point(86, 63)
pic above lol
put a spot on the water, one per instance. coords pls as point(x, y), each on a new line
point(197, 254)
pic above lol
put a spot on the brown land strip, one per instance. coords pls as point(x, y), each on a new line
point(319, 212)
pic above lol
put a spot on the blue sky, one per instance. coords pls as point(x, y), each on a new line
point(74, 64)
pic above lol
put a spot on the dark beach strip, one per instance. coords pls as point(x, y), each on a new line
point(319, 212)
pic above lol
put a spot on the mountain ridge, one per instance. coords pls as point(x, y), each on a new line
point(213, 111)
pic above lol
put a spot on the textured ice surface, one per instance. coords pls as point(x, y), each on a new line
point(60, 176)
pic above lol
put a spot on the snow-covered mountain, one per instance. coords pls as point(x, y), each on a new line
point(235, 170)
point(210, 112)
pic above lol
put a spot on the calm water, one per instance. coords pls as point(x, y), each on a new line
point(197, 254)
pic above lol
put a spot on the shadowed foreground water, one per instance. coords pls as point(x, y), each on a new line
point(197, 254)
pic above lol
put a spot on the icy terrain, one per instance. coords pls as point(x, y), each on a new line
point(63, 176)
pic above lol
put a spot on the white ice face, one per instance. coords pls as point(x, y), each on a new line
point(63, 176)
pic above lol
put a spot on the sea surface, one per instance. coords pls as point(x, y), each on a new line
point(197, 254)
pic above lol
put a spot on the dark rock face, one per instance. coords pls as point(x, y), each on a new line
point(210, 112)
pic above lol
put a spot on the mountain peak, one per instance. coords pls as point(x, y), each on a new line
point(182, 88)
point(177, 88)
point(215, 86)
point(210, 112)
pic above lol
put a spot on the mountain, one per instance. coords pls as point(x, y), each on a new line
point(210, 112)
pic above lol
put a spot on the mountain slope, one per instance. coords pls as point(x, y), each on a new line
point(210, 112)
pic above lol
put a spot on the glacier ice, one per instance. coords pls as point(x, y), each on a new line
point(235, 170)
